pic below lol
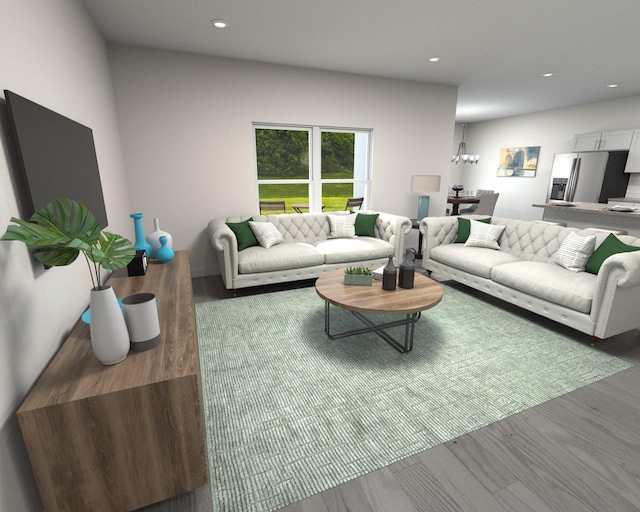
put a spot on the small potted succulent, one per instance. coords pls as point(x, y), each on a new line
point(361, 276)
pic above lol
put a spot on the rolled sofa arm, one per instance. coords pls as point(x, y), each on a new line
point(437, 231)
point(617, 294)
point(628, 262)
point(394, 229)
point(225, 244)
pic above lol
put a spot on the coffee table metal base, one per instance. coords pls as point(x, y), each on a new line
point(409, 324)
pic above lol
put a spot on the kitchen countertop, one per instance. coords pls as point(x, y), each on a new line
point(625, 199)
point(599, 208)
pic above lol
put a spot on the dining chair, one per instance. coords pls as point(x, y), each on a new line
point(474, 207)
point(354, 202)
point(487, 204)
point(272, 206)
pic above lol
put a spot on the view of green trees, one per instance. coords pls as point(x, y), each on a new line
point(337, 155)
point(284, 155)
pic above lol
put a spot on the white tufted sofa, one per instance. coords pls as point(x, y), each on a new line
point(523, 272)
point(307, 251)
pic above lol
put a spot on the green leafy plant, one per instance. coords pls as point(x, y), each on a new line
point(357, 271)
point(63, 229)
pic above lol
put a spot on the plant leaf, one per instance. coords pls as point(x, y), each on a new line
point(112, 251)
point(57, 233)
point(71, 219)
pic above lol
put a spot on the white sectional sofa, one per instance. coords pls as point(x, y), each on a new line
point(307, 248)
point(523, 270)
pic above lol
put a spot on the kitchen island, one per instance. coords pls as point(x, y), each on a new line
point(592, 215)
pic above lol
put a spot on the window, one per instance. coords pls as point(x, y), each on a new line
point(312, 168)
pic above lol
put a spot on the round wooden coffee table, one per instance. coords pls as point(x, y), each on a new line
point(360, 300)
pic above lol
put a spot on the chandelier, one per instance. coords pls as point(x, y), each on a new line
point(462, 152)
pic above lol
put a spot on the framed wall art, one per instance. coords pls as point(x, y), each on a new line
point(519, 162)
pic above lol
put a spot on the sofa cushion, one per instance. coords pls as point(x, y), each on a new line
point(549, 282)
point(366, 224)
point(611, 245)
point(484, 235)
point(244, 235)
point(464, 229)
point(575, 251)
point(342, 250)
point(475, 260)
point(278, 257)
point(266, 233)
point(342, 226)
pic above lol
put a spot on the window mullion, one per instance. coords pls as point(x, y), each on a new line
point(315, 189)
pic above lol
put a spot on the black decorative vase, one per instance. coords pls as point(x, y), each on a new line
point(389, 275)
point(407, 271)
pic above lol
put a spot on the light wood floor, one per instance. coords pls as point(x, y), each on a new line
point(579, 452)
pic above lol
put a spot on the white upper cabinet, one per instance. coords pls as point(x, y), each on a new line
point(633, 161)
point(586, 142)
point(618, 140)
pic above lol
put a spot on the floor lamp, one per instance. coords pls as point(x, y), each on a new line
point(423, 184)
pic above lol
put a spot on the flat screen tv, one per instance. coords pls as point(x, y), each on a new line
point(57, 156)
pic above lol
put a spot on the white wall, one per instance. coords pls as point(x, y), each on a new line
point(553, 131)
point(186, 124)
point(51, 53)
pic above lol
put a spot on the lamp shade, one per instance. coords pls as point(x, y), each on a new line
point(423, 183)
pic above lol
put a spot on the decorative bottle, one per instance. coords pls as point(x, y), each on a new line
point(153, 238)
point(140, 243)
point(389, 275)
point(165, 254)
point(407, 270)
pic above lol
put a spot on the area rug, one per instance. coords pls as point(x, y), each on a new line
point(290, 413)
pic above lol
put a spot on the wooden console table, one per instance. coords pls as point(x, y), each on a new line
point(116, 438)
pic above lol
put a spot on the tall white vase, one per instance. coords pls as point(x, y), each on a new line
point(153, 238)
point(109, 334)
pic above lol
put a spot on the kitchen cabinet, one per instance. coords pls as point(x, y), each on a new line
point(633, 160)
point(617, 140)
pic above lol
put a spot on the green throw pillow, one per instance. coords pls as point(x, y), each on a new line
point(611, 245)
point(244, 234)
point(366, 224)
point(464, 229)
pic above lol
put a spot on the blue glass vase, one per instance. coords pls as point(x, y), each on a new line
point(140, 243)
point(165, 253)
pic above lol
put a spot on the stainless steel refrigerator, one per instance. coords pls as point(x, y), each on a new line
point(588, 177)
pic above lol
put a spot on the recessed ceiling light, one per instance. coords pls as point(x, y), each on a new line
point(434, 59)
point(219, 23)
point(612, 86)
point(547, 74)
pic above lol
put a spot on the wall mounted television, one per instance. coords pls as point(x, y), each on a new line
point(57, 157)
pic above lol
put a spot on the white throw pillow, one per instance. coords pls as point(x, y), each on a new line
point(484, 235)
point(575, 251)
point(266, 233)
point(342, 226)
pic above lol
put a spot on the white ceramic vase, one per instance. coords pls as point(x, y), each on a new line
point(141, 316)
point(109, 334)
point(153, 238)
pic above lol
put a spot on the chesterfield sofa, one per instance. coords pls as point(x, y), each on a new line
point(308, 244)
point(581, 278)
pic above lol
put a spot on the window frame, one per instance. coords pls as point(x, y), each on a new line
point(314, 182)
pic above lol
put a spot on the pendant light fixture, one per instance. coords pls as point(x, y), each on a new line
point(462, 151)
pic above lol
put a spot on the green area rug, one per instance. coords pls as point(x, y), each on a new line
point(290, 413)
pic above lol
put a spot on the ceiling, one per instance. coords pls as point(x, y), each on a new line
point(495, 51)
